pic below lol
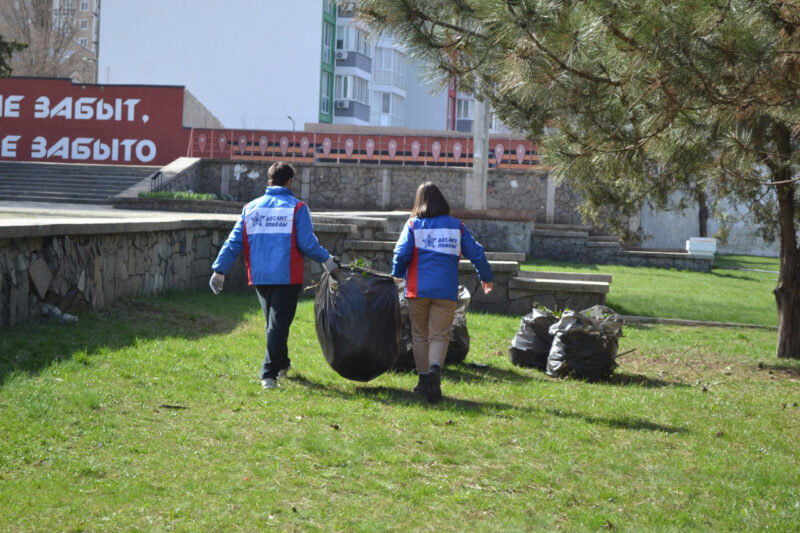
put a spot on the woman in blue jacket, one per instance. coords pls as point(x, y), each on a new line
point(427, 256)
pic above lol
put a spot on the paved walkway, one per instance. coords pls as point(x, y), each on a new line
point(25, 211)
point(28, 210)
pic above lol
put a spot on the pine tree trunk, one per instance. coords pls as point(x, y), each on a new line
point(702, 214)
point(787, 293)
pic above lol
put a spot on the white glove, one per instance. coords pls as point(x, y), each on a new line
point(330, 264)
point(216, 282)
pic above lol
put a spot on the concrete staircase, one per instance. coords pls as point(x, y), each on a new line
point(66, 182)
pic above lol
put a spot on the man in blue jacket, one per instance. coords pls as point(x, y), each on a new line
point(275, 232)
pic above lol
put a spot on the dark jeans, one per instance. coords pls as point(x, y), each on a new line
point(279, 303)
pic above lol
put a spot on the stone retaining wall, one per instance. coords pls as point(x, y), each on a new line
point(376, 187)
point(77, 266)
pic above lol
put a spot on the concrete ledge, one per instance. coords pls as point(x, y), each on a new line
point(602, 244)
point(361, 222)
point(91, 226)
point(561, 234)
point(562, 285)
point(177, 204)
point(169, 173)
point(505, 256)
point(577, 276)
point(497, 266)
point(371, 246)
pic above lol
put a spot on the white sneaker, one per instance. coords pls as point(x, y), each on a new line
point(283, 372)
point(269, 383)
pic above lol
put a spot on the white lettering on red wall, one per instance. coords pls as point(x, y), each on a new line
point(55, 120)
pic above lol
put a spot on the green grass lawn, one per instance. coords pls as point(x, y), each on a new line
point(723, 295)
point(148, 416)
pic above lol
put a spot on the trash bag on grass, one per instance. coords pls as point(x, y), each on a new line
point(585, 344)
point(458, 348)
point(531, 345)
point(358, 322)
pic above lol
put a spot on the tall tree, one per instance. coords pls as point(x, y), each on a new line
point(6, 50)
point(48, 29)
point(644, 98)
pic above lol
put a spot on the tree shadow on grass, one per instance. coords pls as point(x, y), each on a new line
point(395, 396)
point(742, 275)
point(638, 380)
point(622, 422)
point(782, 368)
point(33, 346)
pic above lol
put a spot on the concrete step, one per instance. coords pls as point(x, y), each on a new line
point(572, 276)
point(67, 182)
point(55, 187)
point(558, 285)
point(562, 227)
point(74, 195)
point(78, 180)
point(53, 199)
point(604, 238)
point(387, 236)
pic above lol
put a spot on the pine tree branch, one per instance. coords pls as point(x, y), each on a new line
point(521, 23)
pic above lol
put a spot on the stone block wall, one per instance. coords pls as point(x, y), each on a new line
point(559, 246)
point(501, 235)
point(88, 266)
point(379, 187)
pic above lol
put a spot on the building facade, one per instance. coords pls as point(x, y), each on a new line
point(62, 37)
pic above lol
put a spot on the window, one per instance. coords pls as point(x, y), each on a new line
point(351, 38)
point(360, 90)
point(84, 5)
point(330, 6)
point(325, 102)
point(341, 34)
point(327, 40)
point(387, 110)
point(462, 108)
point(389, 66)
point(352, 88)
point(83, 42)
point(84, 24)
point(342, 89)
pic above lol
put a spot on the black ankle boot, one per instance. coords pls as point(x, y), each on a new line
point(434, 387)
point(421, 388)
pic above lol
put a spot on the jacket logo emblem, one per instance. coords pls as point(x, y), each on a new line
point(255, 219)
point(429, 241)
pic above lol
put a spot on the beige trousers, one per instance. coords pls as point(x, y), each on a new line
point(431, 321)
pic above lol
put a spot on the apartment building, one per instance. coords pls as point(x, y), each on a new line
point(274, 65)
point(62, 37)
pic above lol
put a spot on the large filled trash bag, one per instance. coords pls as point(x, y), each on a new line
point(358, 322)
point(458, 348)
point(585, 344)
point(531, 345)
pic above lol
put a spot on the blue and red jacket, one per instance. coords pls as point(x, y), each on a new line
point(427, 255)
point(275, 232)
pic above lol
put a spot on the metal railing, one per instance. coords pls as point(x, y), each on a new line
point(353, 148)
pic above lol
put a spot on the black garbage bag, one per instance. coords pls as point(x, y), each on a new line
point(531, 345)
point(458, 348)
point(358, 322)
point(585, 344)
